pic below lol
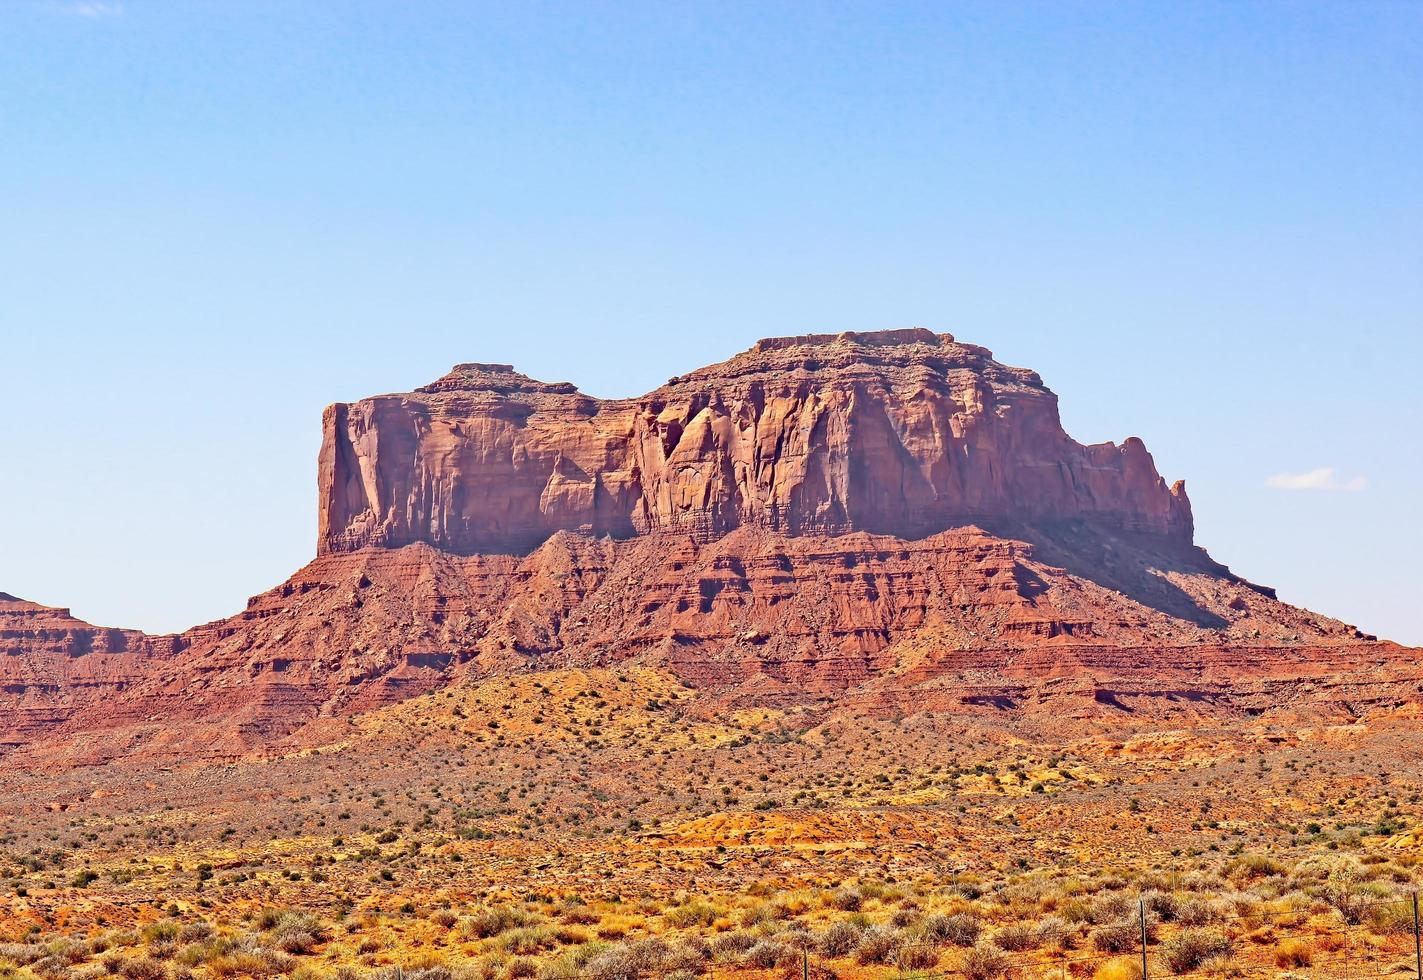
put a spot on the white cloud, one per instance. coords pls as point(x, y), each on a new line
point(95, 8)
point(1323, 478)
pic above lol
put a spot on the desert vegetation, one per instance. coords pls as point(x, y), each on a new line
point(1244, 917)
point(609, 825)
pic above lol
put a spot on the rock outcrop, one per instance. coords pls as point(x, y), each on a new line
point(902, 432)
point(54, 666)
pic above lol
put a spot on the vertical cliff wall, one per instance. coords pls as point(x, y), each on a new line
point(901, 432)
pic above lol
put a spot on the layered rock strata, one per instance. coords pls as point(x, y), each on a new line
point(902, 432)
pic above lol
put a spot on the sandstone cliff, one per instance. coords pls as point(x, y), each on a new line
point(900, 432)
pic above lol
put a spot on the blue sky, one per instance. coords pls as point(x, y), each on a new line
point(1202, 223)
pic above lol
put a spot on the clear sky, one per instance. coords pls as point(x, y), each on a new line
point(1202, 223)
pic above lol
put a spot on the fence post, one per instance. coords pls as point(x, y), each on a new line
point(1141, 907)
point(805, 964)
point(1417, 942)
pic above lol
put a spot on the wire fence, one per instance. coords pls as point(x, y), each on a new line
point(1339, 936)
point(1301, 942)
point(1392, 946)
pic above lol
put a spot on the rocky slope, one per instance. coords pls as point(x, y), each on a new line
point(888, 522)
point(962, 621)
point(53, 665)
point(902, 432)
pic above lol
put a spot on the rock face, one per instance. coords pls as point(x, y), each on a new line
point(901, 432)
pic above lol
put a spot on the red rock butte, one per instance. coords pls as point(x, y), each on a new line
point(900, 432)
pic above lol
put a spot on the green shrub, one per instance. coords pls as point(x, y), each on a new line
point(1112, 908)
point(769, 954)
point(959, 929)
point(916, 956)
point(983, 962)
point(487, 923)
point(877, 945)
point(1250, 866)
point(527, 940)
point(143, 968)
point(522, 967)
point(1165, 906)
point(164, 930)
point(1188, 949)
point(1196, 912)
point(732, 945)
point(1392, 919)
point(1016, 938)
point(691, 914)
point(839, 940)
point(1119, 937)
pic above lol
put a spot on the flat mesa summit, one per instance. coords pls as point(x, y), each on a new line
point(862, 522)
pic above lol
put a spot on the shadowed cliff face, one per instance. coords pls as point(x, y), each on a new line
point(902, 432)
